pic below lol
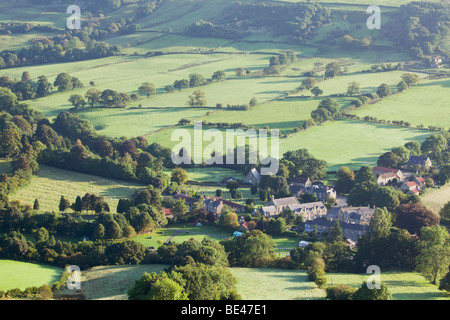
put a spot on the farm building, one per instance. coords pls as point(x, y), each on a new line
point(308, 211)
point(253, 177)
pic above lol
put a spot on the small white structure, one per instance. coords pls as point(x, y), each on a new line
point(303, 244)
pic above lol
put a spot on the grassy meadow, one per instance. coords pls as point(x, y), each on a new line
point(351, 143)
point(435, 199)
point(15, 274)
point(52, 183)
point(112, 282)
point(401, 285)
point(426, 104)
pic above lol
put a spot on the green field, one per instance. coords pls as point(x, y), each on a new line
point(426, 104)
point(402, 285)
point(22, 275)
point(112, 282)
point(275, 284)
point(278, 284)
point(52, 183)
point(435, 199)
point(212, 174)
point(351, 143)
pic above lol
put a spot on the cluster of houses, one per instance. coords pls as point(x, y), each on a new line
point(405, 178)
point(354, 221)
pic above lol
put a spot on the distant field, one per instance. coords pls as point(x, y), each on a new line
point(112, 282)
point(278, 284)
point(342, 142)
point(212, 174)
point(402, 285)
point(15, 274)
point(436, 199)
point(275, 284)
point(428, 104)
point(52, 183)
point(351, 143)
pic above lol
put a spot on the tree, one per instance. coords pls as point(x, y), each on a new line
point(218, 76)
point(380, 224)
point(7, 99)
point(434, 144)
point(196, 80)
point(63, 82)
point(36, 205)
point(113, 230)
point(77, 205)
point(336, 232)
point(309, 83)
point(316, 91)
point(365, 174)
point(384, 90)
point(402, 153)
point(93, 96)
point(180, 208)
point(147, 89)
point(197, 99)
point(414, 148)
point(353, 88)
point(364, 293)
point(180, 176)
point(435, 235)
point(78, 153)
point(252, 249)
point(99, 232)
point(445, 213)
point(156, 287)
point(402, 86)
point(44, 87)
point(413, 217)
point(77, 100)
point(332, 70)
point(433, 262)
point(386, 197)
point(345, 180)
point(271, 70)
point(25, 76)
point(228, 219)
point(106, 149)
point(444, 284)
point(41, 235)
point(110, 98)
point(180, 84)
point(239, 72)
point(64, 204)
point(410, 79)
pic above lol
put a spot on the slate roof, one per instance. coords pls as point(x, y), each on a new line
point(417, 160)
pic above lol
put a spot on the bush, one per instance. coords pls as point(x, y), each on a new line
point(285, 263)
point(264, 262)
point(14, 293)
point(290, 234)
point(321, 280)
point(314, 274)
point(340, 292)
